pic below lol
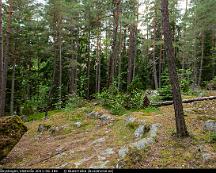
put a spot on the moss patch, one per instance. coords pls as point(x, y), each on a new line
point(11, 130)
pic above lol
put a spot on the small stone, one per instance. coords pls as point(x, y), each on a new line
point(107, 152)
point(139, 131)
point(210, 125)
point(59, 149)
point(54, 130)
point(24, 118)
point(78, 124)
point(206, 157)
point(94, 114)
point(130, 119)
point(123, 152)
point(43, 127)
point(105, 118)
point(100, 158)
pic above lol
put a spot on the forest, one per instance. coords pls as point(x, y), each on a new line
point(107, 84)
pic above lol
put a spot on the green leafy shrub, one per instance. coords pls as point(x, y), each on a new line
point(74, 102)
point(36, 103)
point(113, 100)
point(165, 92)
point(135, 99)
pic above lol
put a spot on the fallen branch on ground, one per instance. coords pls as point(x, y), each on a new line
point(167, 103)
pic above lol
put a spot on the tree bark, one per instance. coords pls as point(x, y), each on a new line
point(72, 73)
point(2, 99)
point(201, 60)
point(88, 63)
point(154, 56)
point(12, 89)
point(98, 63)
point(7, 48)
point(181, 129)
point(113, 56)
point(131, 53)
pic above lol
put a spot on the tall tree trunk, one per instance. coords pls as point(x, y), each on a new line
point(160, 65)
point(201, 60)
point(154, 57)
point(88, 63)
point(213, 48)
point(120, 53)
point(98, 63)
point(57, 35)
point(2, 99)
point(184, 31)
point(60, 71)
point(181, 129)
point(73, 64)
point(113, 56)
point(7, 47)
point(131, 53)
point(12, 89)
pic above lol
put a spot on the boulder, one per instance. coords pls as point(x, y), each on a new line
point(78, 124)
point(210, 125)
point(139, 131)
point(24, 118)
point(11, 131)
point(94, 114)
point(43, 127)
point(105, 118)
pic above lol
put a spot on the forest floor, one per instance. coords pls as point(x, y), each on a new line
point(95, 144)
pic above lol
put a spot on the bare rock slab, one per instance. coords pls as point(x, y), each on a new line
point(11, 131)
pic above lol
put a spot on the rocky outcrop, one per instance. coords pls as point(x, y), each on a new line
point(143, 142)
point(11, 131)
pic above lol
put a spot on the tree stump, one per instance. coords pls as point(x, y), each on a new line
point(146, 102)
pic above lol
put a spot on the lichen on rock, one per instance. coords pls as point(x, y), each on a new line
point(11, 131)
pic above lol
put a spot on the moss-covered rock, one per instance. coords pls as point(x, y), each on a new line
point(11, 131)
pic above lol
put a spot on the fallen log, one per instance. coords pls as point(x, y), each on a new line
point(167, 103)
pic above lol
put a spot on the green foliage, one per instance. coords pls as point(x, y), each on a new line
point(113, 100)
point(118, 102)
point(74, 102)
point(165, 92)
point(212, 137)
point(135, 99)
point(36, 102)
